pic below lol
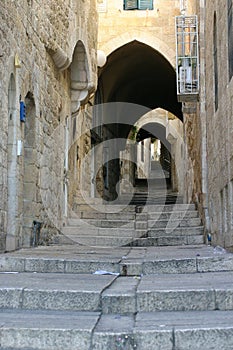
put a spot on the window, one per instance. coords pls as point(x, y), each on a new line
point(230, 39)
point(138, 4)
point(215, 44)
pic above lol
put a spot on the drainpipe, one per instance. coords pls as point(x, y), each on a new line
point(36, 233)
point(204, 120)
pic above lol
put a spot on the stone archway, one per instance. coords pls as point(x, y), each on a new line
point(172, 139)
point(143, 37)
point(138, 72)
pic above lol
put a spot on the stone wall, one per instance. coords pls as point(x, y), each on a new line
point(43, 37)
point(219, 125)
point(156, 27)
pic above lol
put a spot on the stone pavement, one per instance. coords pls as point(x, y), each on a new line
point(145, 298)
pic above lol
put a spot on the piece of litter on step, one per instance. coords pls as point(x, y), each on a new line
point(219, 250)
point(10, 272)
point(103, 272)
point(124, 257)
point(137, 277)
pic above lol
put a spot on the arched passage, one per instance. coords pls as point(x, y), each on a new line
point(138, 75)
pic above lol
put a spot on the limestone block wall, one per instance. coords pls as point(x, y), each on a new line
point(43, 35)
point(154, 27)
point(219, 126)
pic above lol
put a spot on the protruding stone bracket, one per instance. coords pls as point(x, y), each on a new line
point(60, 58)
point(81, 86)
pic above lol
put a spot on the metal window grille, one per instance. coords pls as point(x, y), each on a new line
point(187, 58)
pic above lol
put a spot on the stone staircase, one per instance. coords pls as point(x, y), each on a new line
point(133, 225)
point(145, 298)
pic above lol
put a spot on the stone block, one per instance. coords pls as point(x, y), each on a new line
point(216, 263)
point(44, 265)
point(169, 266)
point(120, 296)
point(22, 329)
point(153, 339)
point(114, 332)
point(224, 298)
point(129, 268)
point(206, 338)
point(60, 300)
point(12, 264)
point(171, 300)
point(10, 298)
point(74, 266)
point(171, 240)
point(195, 239)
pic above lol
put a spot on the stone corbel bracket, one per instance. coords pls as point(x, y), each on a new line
point(79, 94)
point(60, 59)
point(80, 72)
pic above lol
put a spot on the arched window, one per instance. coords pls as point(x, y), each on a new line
point(215, 54)
point(230, 39)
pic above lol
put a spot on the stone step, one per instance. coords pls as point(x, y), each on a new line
point(170, 208)
point(166, 240)
point(52, 291)
point(47, 330)
point(104, 241)
point(112, 294)
point(193, 330)
point(105, 223)
point(105, 208)
point(127, 261)
point(200, 292)
point(88, 231)
point(173, 223)
point(122, 215)
point(176, 215)
point(179, 231)
point(23, 330)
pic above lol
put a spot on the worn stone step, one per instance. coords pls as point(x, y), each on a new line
point(123, 215)
point(38, 330)
point(168, 240)
point(174, 223)
point(104, 223)
point(176, 215)
point(127, 261)
point(175, 231)
point(194, 330)
point(88, 230)
point(170, 208)
point(46, 330)
point(200, 291)
point(37, 291)
point(106, 240)
point(180, 259)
